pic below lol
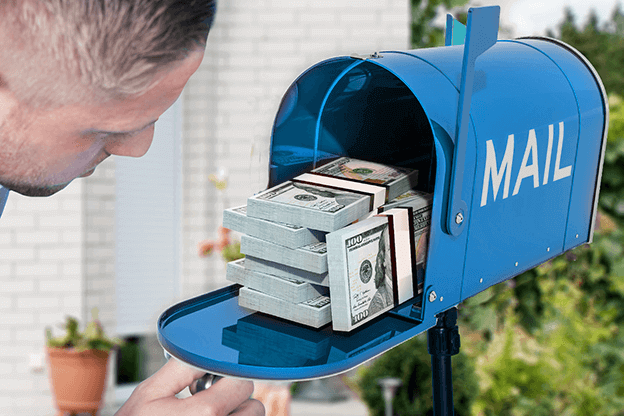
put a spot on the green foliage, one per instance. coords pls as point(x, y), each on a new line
point(232, 252)
point(93, 337)
point(424, 33)
point(612, 187)
point(602, 46)
point(129, 362)
point(411, 363)
point(556, 371)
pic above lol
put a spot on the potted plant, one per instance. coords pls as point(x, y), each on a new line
point(78, 366)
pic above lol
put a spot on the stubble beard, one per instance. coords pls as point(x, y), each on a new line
point(13, 137)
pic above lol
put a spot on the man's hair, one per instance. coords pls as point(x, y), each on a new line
point(56, 52)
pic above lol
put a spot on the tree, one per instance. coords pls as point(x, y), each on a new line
point(602, 46)
point(424, 34)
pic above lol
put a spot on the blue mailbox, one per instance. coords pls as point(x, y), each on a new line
point(508, 135)
point(526, 177)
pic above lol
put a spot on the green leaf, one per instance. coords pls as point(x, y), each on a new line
point(485, 318)
point(483, 297)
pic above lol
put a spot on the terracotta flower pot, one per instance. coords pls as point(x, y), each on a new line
point(78, 379)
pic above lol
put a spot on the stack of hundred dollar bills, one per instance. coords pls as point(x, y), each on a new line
point(294, 234)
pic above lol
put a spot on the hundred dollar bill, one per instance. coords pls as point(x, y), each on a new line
point(396, 180)
point(281, 270)
point(289, 289)
point(311, 206)
point(312, 257)
point(292, 236)
point(360, 273)
point(314, 312)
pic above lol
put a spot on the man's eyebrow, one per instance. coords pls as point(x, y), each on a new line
point(121, 131)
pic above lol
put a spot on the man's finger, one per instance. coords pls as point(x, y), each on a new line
point(225, 396)
point(172, 378)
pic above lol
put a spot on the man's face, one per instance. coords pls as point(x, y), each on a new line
point(42, 152)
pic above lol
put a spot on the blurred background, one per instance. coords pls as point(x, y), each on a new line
point(137, 236)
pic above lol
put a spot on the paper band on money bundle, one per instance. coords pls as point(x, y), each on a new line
point(314, 312)
point(362, 281)
point(312, 257)
point(286, 288)
point(292, 236)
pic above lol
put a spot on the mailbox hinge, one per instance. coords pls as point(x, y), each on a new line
point(374, 55)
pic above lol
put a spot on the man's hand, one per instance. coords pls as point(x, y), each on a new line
point(156, 396)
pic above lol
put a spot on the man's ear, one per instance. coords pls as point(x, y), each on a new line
point(8, 101)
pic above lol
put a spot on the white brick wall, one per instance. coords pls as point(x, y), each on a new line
point(255, 51)
point(57, 253)
point(41, 280)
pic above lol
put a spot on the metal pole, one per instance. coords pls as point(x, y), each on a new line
point(443, 342)
point(389, 385)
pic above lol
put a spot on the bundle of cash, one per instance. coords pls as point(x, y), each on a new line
point(314, 312)
point(395, 180)
point(333, 195)
point(420, 204)
point(362, 284)
point(287, 235)
point(308, 205)
point(312, 257)
point(389, 247)
point(281, 270)
point(286, 288)
point(403, 248)
point(289, 270)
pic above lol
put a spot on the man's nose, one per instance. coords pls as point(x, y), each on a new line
point(135, 145)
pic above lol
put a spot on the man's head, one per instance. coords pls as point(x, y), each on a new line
point(81, 80)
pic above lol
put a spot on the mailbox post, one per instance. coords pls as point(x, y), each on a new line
point(443, 342)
